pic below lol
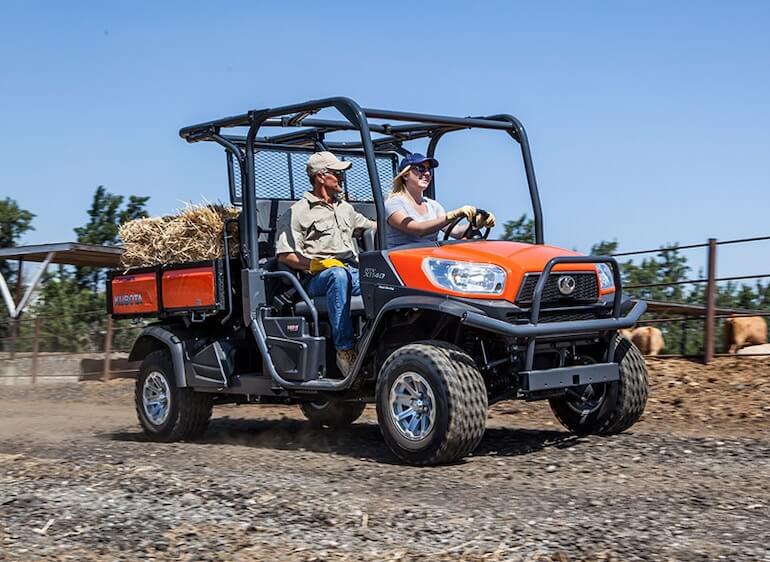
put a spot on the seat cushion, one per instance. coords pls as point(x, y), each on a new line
point(356, 306)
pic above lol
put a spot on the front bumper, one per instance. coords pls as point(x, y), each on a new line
point(536, 328)
point(566, 377)
point(529, 330)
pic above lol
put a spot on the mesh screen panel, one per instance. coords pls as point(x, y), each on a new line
point(281, 175)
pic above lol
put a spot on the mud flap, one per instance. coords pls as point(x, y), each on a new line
point(213, 365)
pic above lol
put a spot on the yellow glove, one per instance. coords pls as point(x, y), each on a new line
point(488, 221)
point(467, 211)
point(317, 266)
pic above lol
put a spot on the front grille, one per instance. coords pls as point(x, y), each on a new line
point(586, 289)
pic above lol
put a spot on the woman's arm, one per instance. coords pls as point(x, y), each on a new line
point(406, 224)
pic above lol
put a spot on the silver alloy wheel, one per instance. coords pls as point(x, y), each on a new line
point(156, 398)
point(412, 406)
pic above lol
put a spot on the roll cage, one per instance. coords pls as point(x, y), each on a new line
point(377, 136)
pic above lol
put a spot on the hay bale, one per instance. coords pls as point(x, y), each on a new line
point(192, 235)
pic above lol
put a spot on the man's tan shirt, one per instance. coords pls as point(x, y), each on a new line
point(319, 230)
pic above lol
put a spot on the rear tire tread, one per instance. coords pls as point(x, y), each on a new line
point(192, 411)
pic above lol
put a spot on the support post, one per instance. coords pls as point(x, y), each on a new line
point(12, 340)
point(35, 349)
point(107, 349)
point(683, 339)
point(15, 315)
point(711, 300)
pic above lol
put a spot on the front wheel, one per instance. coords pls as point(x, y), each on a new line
point(607, 408)
point(431, 403)
point(166, 412)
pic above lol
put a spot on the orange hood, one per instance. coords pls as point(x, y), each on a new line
point(515, 258)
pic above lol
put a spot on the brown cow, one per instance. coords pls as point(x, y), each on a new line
point(741, 331)
point(649, 340)
point(627, 333)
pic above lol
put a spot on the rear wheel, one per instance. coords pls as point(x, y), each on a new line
point(166, 412)
point(332, 414)
point(431, 403)
point(607, 408)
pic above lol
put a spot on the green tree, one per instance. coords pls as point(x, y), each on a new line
point(72, 301)
point(14, 222)
point(519, 230)
point(106, 214)
point(604, 248)
point(72, 317)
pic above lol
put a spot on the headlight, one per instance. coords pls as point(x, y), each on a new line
point(465, 277)
point(606, 280)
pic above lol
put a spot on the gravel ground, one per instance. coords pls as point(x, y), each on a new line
point(78, 482)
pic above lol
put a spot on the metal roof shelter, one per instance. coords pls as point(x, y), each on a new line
point(64, 253)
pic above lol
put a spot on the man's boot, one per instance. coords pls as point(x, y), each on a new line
point(345, 360)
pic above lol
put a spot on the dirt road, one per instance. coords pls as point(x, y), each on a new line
point(690, 482)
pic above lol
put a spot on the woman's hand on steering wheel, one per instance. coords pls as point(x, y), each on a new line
point(479, 226)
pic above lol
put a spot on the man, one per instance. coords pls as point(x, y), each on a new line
point(316, 236)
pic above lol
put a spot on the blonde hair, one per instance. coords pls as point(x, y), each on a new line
point(398, 186)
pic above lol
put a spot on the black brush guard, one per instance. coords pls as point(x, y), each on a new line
point(564, 377)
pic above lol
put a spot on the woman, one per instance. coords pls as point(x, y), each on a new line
point(412, 217)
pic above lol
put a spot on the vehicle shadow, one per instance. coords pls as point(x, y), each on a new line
point(361, 440)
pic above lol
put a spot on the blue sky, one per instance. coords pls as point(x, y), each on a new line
point(649, 122)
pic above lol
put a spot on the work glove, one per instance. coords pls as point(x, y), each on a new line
point(317, 266)
point(487, 221)
point(467, 211)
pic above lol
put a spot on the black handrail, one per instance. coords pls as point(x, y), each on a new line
point(300, 291)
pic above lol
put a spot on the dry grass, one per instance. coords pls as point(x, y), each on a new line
point(192, 235)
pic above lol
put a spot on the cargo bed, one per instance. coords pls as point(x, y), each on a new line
point(168, 290)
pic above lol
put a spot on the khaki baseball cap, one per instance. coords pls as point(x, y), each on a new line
point(325, 161)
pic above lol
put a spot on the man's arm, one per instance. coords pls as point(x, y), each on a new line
point(295, 261)
point(361, 222)
point(289, 242)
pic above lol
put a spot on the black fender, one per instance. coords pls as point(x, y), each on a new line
point(153, 338)
point(436, 303)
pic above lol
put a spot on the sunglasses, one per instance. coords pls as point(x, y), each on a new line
point(339, 174)
point(422, 170)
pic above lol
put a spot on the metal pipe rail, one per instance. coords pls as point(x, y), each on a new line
point(691, 246)
point(696, 281)
point(302, 293)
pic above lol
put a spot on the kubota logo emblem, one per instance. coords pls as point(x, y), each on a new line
point(127, 300)
point(566, 284)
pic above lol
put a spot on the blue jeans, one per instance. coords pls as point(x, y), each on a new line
point(338, 284)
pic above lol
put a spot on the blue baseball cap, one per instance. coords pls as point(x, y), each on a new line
point(415, 160)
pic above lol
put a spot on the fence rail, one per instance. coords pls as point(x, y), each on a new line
point(709, 313)
point(32, 345)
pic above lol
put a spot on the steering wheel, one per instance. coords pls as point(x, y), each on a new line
point(474, 230)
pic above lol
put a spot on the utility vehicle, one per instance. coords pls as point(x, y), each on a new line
point(444, 329)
